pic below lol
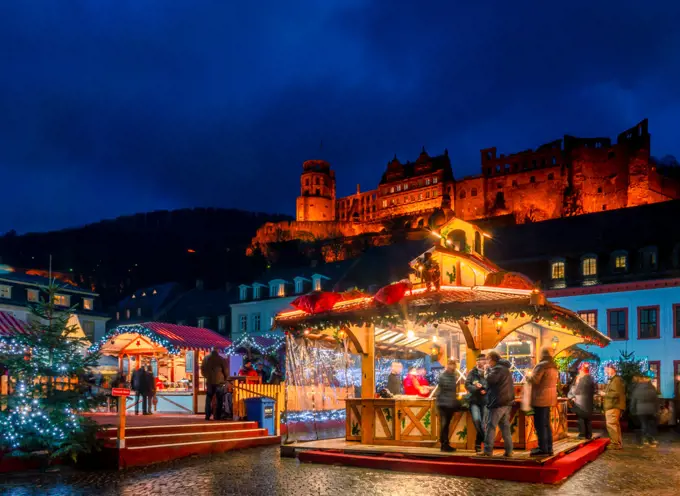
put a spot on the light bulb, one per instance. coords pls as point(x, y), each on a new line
point(434, 338)
point(410, 333)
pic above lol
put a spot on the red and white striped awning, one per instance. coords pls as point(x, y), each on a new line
point(10, 325)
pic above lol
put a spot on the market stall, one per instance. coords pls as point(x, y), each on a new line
point(457, 304)
point(174, 353)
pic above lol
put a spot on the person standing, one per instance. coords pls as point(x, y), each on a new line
point(394, 379)
point(215, 372)
point(447, 403)
point(644, 403)
point(500, 396)
point(543, 380)
point(476, 386)
point(614, 405)
point(150, 390)
point(139, 386)
point(581, 394)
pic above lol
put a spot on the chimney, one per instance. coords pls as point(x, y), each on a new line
point(199, 283)
point(358, 189)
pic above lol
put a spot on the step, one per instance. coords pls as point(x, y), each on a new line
point(180, 429)
point(176, 438)
point(146, 455)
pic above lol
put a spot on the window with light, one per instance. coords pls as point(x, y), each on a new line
point(621, 262)
point(317, 284)
point(557, 271)
point(62, 300)
point(589, 266)
point(5, 292)
point(589, 317)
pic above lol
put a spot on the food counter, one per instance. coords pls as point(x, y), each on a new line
point(413, 421)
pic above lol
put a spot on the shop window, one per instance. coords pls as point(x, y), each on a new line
point(655, 369)
point(648, 322)
point(617, 324)
point(557, 270)
point(589, 317)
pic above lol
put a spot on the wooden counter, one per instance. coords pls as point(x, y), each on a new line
point(410, 421)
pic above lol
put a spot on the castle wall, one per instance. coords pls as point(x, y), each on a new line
point(468, 198)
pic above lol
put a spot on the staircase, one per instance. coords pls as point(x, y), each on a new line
point(145, 445)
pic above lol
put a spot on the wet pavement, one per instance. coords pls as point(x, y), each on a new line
point(633, 471)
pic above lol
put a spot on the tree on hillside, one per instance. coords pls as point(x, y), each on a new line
point(43, 412)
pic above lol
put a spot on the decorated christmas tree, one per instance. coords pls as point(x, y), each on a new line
point(48, 370)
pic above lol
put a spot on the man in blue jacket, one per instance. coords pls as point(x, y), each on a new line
point(500, 396)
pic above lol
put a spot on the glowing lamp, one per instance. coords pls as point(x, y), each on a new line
point(410, 334)
point(434, 338)
point(499, 326)
point(555, 342)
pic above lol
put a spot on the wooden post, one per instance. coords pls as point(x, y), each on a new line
point(195, 381)
point(122, 407)
point(368, 364)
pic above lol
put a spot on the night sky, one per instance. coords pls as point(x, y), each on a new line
point(113, 107)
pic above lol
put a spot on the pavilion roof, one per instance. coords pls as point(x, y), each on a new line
point(451, 303)
point(10, 325)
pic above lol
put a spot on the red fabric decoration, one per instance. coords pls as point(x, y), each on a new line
point(392, 293)
point(316, 301)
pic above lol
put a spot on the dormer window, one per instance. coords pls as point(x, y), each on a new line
point(589, 266)
point(243, 293)
point(317, 284)
point(281, 290)
point(299, 285)
point(620, 261)
point(277, 288)
point(557, 270)
point(256, 292)
point(88, 304)
point(649, 258)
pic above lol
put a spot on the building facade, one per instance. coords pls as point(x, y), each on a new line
point(566, 177)
point(19, 289)
point(619, 270)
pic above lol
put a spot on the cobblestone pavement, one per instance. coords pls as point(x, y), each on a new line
point(634, 471)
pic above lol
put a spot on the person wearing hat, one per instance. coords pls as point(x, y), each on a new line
point(581, 396)
point(543, 380)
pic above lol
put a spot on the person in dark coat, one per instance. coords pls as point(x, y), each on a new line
point(447, 403)
point(139, 385)
point(581, 395)
point(394, 380)
point(476, 386)
point(500, 396)
point(644, 404)
point(215, 371)
point(149, 390)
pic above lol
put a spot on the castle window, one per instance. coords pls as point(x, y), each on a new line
point(317, 192)
point(532, 179)
point(434, 194)
point(611, 155)
point(427, 181)
point(604, 207)
point(33, 295)
point(434, 180)
point(420, 197)
point(316, 180)
point(589, 317)
point(589, 266)
point(222, 323)
point(557, 270)
point(533, 164)
point(405, 186)
point(392, 189)
point(515, 167)
point(507, 167)
point(427, 195)
point(398, 187)
point(243, 323)
point(514, 183)
point(599, 190)
point(498, 169)
point(413, 197)
point(127, 314)
point(384, 203)
point(554, 161)
point(307, 182)
point(488, 155)
point(462, 194)
point(473, 192)
point(551, 176)
point(499, 185)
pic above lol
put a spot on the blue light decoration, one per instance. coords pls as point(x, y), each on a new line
point(313, 416)
point(136, 329)
point(249, 342)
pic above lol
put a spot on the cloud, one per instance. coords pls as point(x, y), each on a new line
point(137, 104)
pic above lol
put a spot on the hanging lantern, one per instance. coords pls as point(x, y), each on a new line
point(499, 326)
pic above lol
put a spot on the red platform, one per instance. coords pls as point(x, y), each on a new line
point(521, 468)
point(159, 438)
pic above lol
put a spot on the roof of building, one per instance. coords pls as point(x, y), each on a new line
point(170, 336)
point(153, 297)
point(525, 247)
point(441, 162)
point(35, 280)
point(202, 303)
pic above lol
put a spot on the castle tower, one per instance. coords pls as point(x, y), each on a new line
point(317, 192)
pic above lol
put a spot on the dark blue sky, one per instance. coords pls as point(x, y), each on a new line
point(119, 106)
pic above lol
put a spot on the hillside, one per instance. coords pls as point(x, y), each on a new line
point(116, 256)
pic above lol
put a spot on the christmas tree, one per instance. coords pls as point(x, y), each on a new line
point(48, 367)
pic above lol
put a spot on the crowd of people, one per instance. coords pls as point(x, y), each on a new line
point(491, 393)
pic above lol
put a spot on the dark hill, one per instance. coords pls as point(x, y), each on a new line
point(114, 257)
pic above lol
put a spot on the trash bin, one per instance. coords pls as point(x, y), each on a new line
point(261, 410)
